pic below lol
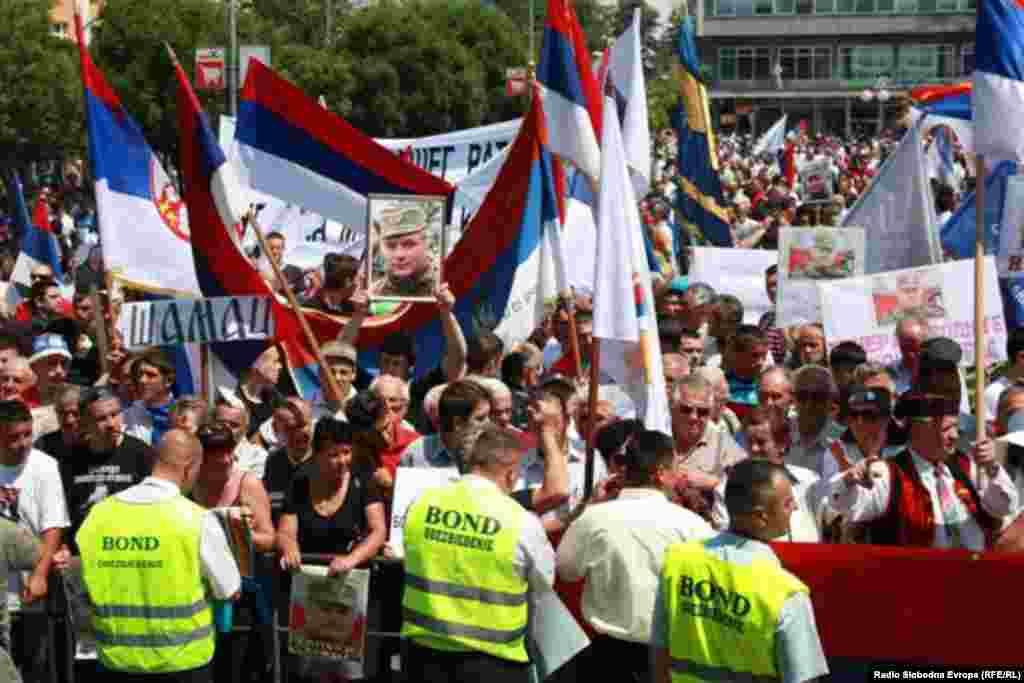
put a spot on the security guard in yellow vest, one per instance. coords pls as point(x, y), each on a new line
point(472, 554)
point(726, 610)
point(150, 559)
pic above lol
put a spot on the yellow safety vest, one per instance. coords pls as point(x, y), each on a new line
point(462, 592)
point(140, 566)
point(723, 616)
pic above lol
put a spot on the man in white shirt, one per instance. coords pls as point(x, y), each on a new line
point(31, 495)
point(618, 547)
point(249, 456)
point(948, 510)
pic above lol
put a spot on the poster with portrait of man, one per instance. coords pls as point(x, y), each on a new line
point(406, 238)
point(810, 255)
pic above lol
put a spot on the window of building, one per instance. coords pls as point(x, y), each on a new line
point(845, 6)
point(744, 63)
point(865, 6)
point(866, 62)
point(805, 6)
point(744, 8)
point(824, 6)
point(805, 63)
point(59, 29)
point(967, 59)
point(785, 6)
point(725, 8)
point(925, 62)
point(906, 6)
point(884, 6)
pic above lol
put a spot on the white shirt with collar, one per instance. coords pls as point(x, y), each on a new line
point(804, 521)
point(251, 457)
point(618, 547)
point(998, 498)
point(217, 564)
point(812, 455)
point(531, 475)
point(138, 422)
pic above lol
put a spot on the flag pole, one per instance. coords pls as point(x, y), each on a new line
point(333, 390)
point(979, 295)
point(595, 373)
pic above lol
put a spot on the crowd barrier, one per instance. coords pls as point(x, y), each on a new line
point(383, 637)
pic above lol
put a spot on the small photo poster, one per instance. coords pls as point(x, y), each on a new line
point(808, 256)
point(406, 236)
point(328, 620)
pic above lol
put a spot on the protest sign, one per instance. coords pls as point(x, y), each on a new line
point(327, 629)
point(816, 181)
point(80, 612)
point(178, 321)
point(867, 309)
point(1011, 236)
point(407, 245)
point(739, 272)
point(410, 482)
point(457, 154)
point(807, 256)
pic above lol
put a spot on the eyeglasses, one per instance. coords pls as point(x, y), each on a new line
point(693, 410)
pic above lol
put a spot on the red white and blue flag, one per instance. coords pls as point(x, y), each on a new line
point(294, 149)
point(143, 223)
point(998, 94)
point(38, 243)
point(572, 99)
point(494, 271)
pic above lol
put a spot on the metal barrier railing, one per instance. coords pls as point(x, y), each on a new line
point(385, 574)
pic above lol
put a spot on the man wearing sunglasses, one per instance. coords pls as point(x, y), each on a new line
point(702, 455)
point(868, 412)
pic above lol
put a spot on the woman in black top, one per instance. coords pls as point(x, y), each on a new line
point(338, 512)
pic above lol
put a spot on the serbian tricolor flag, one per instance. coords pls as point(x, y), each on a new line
point(497, 271)
point(296, 150)
point(38, 243)
point(142, 220)
point(946, 105)
point(883, 608)
point(999, 80)
point(572, 102)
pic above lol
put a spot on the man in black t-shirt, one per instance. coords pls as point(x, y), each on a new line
point(295, 421)
point(107, 460)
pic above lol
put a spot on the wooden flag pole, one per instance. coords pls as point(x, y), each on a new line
point(979, 295)
point(595, 374)
point(333, 390)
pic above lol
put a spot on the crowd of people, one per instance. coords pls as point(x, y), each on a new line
point(774, 437)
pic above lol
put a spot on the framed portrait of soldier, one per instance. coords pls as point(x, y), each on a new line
point(406, 240)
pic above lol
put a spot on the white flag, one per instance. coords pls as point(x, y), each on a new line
point(626, 69)
point(624, 317)
point(897, 212)
point(773, 139)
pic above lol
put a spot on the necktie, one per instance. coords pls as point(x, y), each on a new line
point(947, 503)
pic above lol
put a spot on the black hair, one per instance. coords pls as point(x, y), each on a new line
point(331, 432)
point(645, 455)
point(1014, 343)
point(12, 412)
point(847, 354)
point(513, 367)
point(459, 400)
point(481, 350)
point(399, 344)
point(749, 485)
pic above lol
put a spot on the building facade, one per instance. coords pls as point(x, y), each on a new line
point(840, 65)
point(62, 16)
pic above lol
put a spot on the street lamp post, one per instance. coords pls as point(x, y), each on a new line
point(879, 94)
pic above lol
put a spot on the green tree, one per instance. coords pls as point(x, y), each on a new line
point(429, 67)
point(41, 97)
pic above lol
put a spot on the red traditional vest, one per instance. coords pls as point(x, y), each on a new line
point(910, 519)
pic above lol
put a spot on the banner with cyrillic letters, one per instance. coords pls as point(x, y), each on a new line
point(455, 155)
point(740, 272)
point(867, 309)
point(808, 256)
point(179, 321)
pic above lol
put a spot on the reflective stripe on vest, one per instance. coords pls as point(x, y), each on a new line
point(151, 612)
point(716, 673)
point(723, 616)
point(142, 571)
point(448, 628)
point(454, 590)
point(153, 640)
point(462, 590)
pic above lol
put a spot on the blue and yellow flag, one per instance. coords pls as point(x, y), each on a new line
point(700, 193)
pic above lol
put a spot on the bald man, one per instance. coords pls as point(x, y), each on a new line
point(150, 551)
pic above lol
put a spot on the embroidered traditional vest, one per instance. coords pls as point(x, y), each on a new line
point(910, 519)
